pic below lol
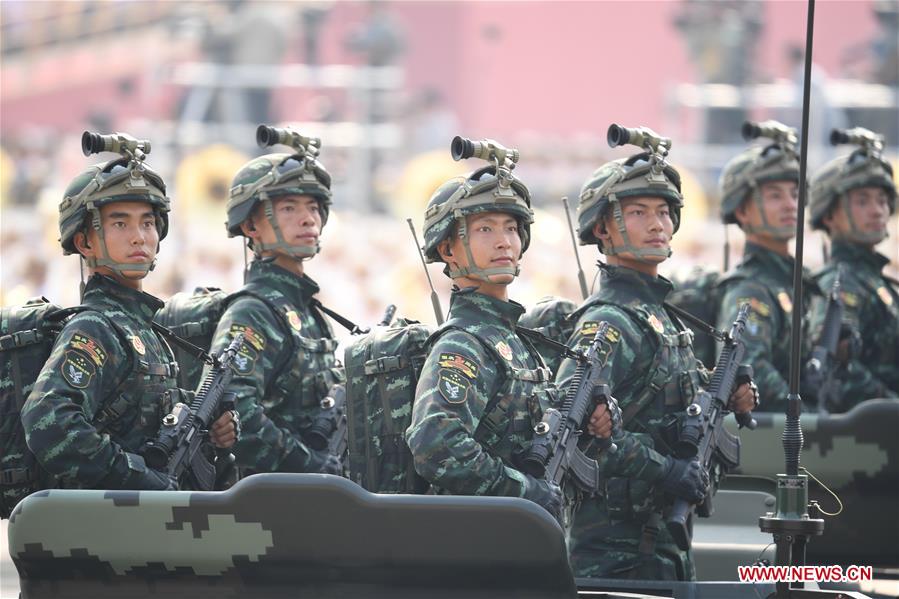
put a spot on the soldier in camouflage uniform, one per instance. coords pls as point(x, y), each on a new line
point(100, 396)
point(483, 387)
point(759, 193)
point(630, 208)
point(851, 199)
point(280, 202)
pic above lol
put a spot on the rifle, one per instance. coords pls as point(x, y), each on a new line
point(554, 452)
point(181, 449)
point(703, 434)
point(821, 366)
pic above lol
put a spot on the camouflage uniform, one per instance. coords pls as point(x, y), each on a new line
point(651, 370)
point(285, 367)
point(99, 397)
point(481, 392)
point(764, 279)
point(871, 307)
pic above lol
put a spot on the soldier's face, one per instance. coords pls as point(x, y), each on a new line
point(780, 202)
point(869, 208)
point(298, 216)
point(131, 237)
point(648, 224)
point(495, 242)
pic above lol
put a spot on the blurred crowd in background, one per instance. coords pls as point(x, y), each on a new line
point(386, 85)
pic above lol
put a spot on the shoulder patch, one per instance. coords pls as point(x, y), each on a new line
point(245, 360)
point(78, 369)
point(589, 328)
point(460, 363)
point(138, 345)
point(504, 350)
point(453, 386)
point(250, 335)
point(885, 296)
point(90, 347)
point(656, 324)
point(785, 302)
point(849, 298)
point(294, 319)
point(756, 305)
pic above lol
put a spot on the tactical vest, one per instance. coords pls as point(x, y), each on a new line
point(305, 371)
point(506, 427)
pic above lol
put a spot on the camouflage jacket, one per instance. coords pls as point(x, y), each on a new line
point(765, 280)
point(481, 391)
point(285, 366)
point(871, 307)
point(652, 372)
point(101, 392)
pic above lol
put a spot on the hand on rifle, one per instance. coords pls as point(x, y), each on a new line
point(544, 493)
point(685, 479)
point(226, 430)
point(323, 462)
point(605, 420)
point(745, 398)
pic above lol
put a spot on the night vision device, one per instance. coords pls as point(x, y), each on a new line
point(120, 143)
point(774, 130)
point(269, 136)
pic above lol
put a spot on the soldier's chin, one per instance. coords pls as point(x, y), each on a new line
point(134, 275)
point(501, 279)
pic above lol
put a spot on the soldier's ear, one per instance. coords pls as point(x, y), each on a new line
point(600, 231)
point(444, 249)
point(82, 245)
point(249, 228)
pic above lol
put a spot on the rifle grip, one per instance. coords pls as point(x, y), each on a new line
point(744, 375)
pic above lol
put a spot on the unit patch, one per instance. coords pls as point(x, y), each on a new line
point(785, 302)
point(249, 335)
point(78, 369)
point(757, 305)
point(885, 296)
point(656, 324)
point(849, 298)
point(504, 350)
point(245, 360)
point(294, 320)
point(89, 346)
point(138, 344)
point(453, 386)
point(460, 363)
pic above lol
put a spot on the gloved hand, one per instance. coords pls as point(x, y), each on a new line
point(133, 473)
point(685, 479)
point(323, 462)
point(545, 494)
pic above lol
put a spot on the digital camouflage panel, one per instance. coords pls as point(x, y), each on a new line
point(286, 535)
point(871, 307)
point(285, 366)
point(100, 396)
point(764, 279)
point(650, 367)
point(480, 393)
point(856, 455)
point(550, 315)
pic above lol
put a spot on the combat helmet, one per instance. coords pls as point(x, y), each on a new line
point(864, 167)
point(744, 174)
point(488, 189)
point(643, 174)
point(124, 179)
point(267, 177)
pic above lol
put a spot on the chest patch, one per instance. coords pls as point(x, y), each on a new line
point(885, 296)
point(785, 302)
point(138, 345)
point(656, 324)
point(504, 350)
point(294, 320)
point(90, 347)
point(250, 336)
point(460, 363)
point(453, 386)
point(78, 369)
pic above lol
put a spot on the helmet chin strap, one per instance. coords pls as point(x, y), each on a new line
point(781, 233)
point(298, 252)
point(120, 268)
point(472, 270)
point(855, 234)
point(640, 254)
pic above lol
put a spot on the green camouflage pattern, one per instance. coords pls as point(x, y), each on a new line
point(764, 279)
point(114, 186)
point(481, 391)
point(871, 307)
point(382, 371)
point(100, 396)
point(618, 178)
point(276, 536)
point(699, 294)
point(247, 191)
point(843, 174)
point(746, 171)
point(652, 372)
point(550, 316)
point(284, 369)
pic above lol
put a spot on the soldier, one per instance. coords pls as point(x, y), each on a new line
point(630, 208)
point(279, 203)
point(483, 387)
point(100, 396)
point(759, 193)
point(851, 200)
